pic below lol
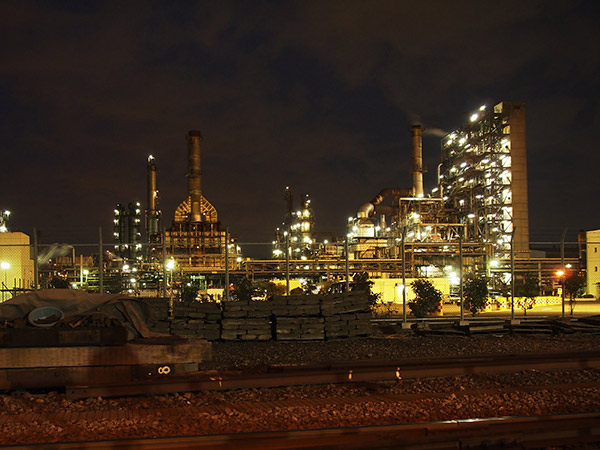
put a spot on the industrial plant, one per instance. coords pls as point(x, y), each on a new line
point(474, 221)
point(478, 210)
point(195, 244)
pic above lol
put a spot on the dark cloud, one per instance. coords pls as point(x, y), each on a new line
point(317, 95)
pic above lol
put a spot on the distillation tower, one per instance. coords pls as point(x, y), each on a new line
point(478, 207)
point(297, 231)
point(196, 240)
point(483, 178)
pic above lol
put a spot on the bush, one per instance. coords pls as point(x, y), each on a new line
point(427, 298)
point(475, 293)
point(189, 292)
point(361, 282)
point(527, 287)
point(244, 290)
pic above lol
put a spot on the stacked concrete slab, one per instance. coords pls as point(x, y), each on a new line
point(298, 318)
point(159, 321)
point(305, 317)
point(248, 321)
point(346, 315)
point(319, 317)
point(196, 320)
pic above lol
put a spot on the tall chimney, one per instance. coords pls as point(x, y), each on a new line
point(194, 175)
point(416, 132)
point(152, 212)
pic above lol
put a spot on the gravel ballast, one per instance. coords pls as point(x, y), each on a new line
point(29, 417)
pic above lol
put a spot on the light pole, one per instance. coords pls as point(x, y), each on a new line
point(403, 251)
point(170, 267)
point(561, 277)
point(5, 265)
point(562, 268)
point(226, 291)
point(287, 263)
point(512, 274)
point(460, 277)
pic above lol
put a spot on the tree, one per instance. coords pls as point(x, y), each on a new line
point(527, 287)
point(269, 288)
point(475, 294)
point(427, 298)
point(573, 286)
point(361, 282)
point(59, 283)
point(189, 292)
point(244, 290)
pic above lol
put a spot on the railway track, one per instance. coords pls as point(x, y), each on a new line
point(361, 413)
point(530, 432)
point(344, 372)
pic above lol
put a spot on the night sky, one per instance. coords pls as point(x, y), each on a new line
point(315, 95)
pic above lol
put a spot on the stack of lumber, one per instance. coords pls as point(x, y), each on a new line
point(43, 367)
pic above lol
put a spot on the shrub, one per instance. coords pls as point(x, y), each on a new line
point(475, 294)
point(427, 298)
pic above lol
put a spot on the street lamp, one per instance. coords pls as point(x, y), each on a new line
point(561, 276)
point(170, 265)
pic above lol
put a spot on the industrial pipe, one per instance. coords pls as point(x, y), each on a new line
point(152, 212)
point(416, 132)
point(194, 175)
point(368, 209)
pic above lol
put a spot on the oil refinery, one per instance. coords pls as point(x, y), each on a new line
point(474, 221)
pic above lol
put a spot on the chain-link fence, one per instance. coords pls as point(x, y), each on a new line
point(555, 271)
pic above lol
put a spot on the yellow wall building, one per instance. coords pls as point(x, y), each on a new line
point(391, 288)
point(593, 262)
point(16, 264)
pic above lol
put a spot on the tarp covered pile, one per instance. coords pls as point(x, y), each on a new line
point(78, 305)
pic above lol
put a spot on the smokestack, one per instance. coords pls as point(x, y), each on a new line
point(152, 212)
point(416, 133)
point(194, 175)
point(288, 205)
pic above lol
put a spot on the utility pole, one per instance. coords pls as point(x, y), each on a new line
point(36, 268)
point(227, 264)
point(402, 246)
point(287, 263)
point(164, 263)
point(562, 268)
point(100, 263)
point(460, 276)
point(346, 246)
point(512, 274)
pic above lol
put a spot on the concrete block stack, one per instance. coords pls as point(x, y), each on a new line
point(158, 321)
point(305, 317)
point(298, 318)
point(247, 321)
point(196, 320)
point(346, 315)
point(299, 328)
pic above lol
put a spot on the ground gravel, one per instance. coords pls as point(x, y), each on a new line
point(244, 355)
point(29, 417)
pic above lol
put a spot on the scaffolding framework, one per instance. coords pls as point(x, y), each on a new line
point(482, 178)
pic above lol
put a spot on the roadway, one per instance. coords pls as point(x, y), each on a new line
point(582, 308)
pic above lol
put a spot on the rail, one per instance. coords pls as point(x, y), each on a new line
point(341, 372)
